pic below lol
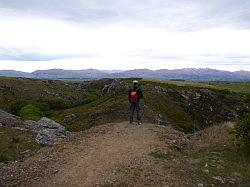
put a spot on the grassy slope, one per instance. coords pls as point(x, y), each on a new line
point(222, 160)
point(94, 110)
point(218, 152)
point(115, 107)
point(14, 143)
point(209, 155)
point(238, 87)
point(13, 89)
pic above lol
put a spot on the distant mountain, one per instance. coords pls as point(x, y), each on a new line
point(12, 73)
point(162, 74)
point(70, 74)
point(187, 74)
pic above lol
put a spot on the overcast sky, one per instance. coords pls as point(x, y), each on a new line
point(124, 34)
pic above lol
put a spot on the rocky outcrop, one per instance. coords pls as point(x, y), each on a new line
point(48, 131)
point(9, 120)
point(116, 85)
point(69, 118)
point(161, 120)
point(206, 106)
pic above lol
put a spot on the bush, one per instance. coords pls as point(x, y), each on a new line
point(57, 104)
point(43, 106)
point(31, 112)
point(89, 99)
point(19, 104)
point(242, 131)
point(3, 158)
point(16, 106)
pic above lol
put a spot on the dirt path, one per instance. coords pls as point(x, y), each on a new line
point(115, 154)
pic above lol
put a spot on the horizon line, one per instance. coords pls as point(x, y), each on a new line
point(120, 70)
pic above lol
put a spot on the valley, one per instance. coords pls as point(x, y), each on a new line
point(186, 139)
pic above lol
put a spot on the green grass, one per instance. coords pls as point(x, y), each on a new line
point(57, 99)
point(114, 107)
point(238, 87)
point(23, 89)
point(209, 153)
point(14, 142)
point(31, 112)
point(222, 162)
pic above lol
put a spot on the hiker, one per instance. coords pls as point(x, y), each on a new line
point(134, 96)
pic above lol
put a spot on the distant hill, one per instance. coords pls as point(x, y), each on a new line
point(70, 74)
point(162, 74)
point(12, 73)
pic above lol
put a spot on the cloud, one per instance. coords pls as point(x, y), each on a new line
point(179, 15)
point(119, 34)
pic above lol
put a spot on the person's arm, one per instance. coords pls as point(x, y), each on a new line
point(129, 93)
point(140, 94)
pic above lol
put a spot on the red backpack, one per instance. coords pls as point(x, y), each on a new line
point(133, 97)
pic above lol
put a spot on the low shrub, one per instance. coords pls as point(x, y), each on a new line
point(57, 104)
point(3, 158)
point(242, 131)
point(17, 105)
point(31, 112)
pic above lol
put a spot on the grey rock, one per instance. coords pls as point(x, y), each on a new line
point(48, 123)
point(161, 120)
point(69, 118)
point(5, 114)
point(116, 85)
point(48, 131)
point(9, 120)
point(49, 136)
point(163, 90)
point(33, 125)
point(219, 179)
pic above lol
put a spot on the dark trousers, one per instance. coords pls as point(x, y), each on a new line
point(135, 108)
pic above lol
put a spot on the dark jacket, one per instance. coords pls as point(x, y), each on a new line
point(138, 90)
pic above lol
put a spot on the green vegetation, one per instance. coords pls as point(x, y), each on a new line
point(209, 154)
point(221, 162)
point(17, 92)
point(92, 95)
point(187, 115)
point(176, 101)
point(242, 132)
point(238, 87)
point(218, 156)
point(31, 112)
point(14, 143)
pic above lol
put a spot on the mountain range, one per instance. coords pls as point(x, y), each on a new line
point(203, 74)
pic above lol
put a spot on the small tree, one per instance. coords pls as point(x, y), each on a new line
point(242, 131)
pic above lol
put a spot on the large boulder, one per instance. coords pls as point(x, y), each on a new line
point(9, 120)
point(48, 131)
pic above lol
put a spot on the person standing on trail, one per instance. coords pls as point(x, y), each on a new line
point(134, 96)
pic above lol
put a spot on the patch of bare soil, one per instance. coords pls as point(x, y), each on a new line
point(116, 154)
point(109, 155)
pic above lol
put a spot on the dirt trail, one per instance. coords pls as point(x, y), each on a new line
point(115, 154)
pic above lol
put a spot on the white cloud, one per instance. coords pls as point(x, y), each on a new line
point(119, 35)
